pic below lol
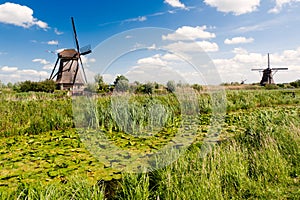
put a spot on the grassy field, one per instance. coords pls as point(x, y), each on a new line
point(257, 155)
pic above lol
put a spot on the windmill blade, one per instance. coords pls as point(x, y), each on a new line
point(257, 69)
point(76, 72)
point(75, 34)
point(280, 68)
point(54, 69)
point(85, 79)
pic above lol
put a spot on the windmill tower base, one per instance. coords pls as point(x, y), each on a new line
point(267, 77)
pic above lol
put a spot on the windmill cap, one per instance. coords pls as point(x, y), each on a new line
point(68, 53)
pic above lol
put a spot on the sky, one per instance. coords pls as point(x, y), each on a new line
point(193, 41)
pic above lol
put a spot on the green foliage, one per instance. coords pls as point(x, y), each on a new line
point(171, 86)
point(295, 84)
point(76, 188)
point(144, 88)
point(34, 113)
point(121, 84)
point(102, 87)
point(271, 87)
point(197, 87)
point(43, 86)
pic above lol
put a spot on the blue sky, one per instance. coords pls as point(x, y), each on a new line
point(237, 35)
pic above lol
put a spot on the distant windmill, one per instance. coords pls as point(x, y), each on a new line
point(243, 81)
point(268, 73)
point(69, 74)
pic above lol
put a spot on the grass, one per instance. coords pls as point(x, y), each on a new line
point(257, 154)
point(251, 165)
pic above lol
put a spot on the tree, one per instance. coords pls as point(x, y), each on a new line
point(121, 84)
point(197, 87)
point(148, 88)
point(102, 87)
point(10, 85)
point(295, 84)
point(46, 86)
point(145, 88)
point(171, 86)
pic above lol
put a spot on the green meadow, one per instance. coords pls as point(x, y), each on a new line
point(255, 155)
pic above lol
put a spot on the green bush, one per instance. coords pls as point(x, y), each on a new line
point(43, 86)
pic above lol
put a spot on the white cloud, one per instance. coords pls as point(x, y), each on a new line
point(154, 60)
point(189, 33)
point(57, 32)
point(49, 66)
point(13, 74)
point(52, 42)
point(191, 47)
point(137, 19)
point(9, 69)
point(280, 4)
point(59, 50)
point(86, 61)
point(18, 15)
point(142, 18)
point(239, 40)
point(42, 61)
point(236, 7)
point(175, 3)
point(32, 72)
point(162, 68)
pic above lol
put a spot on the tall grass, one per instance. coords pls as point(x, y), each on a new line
point(260, 163)
point(76, 188)
point(34, 113)
point(261, 160)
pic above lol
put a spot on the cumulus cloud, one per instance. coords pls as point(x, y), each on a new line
point(189, 33)
point(175, 3)
point(192, 47)
point(280, 4)
point(86, 61)
point(233, 6)
point(14, 74)
point(9, 69)
point(157, 68)
point(41, 61)
point(154, 60)
point(18, 15)
point(52, 42)
point(239, 40)
point(49, 66)
point(163, 67)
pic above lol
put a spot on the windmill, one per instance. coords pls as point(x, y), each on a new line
point(69, 75)
point(268, 73)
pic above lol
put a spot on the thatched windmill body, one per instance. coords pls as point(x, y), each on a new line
point(70, 74)
point(268, 73)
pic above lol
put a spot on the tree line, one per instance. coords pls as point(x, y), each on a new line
point(120, 84)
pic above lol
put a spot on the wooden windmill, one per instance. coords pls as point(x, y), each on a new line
point(70, 74)
point(268, 73)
